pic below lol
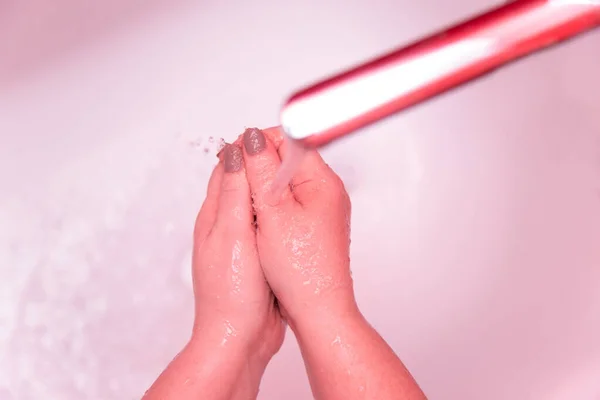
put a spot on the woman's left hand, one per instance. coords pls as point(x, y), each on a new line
point(238, 326)
point(234, 305)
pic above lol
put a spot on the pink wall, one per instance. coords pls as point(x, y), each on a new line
point(486, 277)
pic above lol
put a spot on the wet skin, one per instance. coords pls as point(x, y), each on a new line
point(259, 264)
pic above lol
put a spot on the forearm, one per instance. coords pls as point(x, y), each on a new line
point(347, 359)
point(209, 371)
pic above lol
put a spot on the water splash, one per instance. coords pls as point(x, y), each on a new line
point(294, 154)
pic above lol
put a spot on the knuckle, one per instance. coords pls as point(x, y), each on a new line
point(336, 190)
point(202, 224)
point(231, 186)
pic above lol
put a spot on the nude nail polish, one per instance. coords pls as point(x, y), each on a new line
point(232, 158)
point(254, 141)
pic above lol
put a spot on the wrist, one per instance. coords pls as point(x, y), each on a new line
point(312, 320)
point(224, 341)
point(204, 368)
point(233, 364)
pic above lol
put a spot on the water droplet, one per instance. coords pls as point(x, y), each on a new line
point(290, 164)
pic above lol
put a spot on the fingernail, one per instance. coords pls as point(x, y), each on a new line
point(254, 141)
point(232, 158)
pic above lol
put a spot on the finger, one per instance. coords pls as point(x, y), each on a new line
point(275, 135)
point(234, 212)
point(262, 163)
point(313, 178)
point(207, 215)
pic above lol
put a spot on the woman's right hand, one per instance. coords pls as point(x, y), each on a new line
point(303, 243)
point(304, 238)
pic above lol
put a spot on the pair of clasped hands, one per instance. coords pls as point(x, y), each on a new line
point(259, 266)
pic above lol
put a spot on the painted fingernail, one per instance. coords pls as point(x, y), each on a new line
point(254, 141)
point(232, 158)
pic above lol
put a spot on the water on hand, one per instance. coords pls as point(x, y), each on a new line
point(294, 155)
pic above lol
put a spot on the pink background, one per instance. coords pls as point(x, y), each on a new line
point(476, 216)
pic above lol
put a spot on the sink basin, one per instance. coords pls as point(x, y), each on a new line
point(486, 201)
